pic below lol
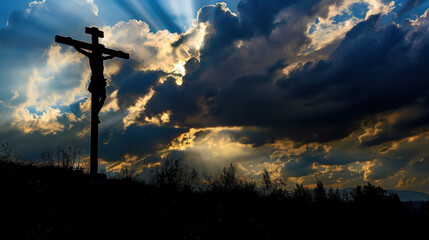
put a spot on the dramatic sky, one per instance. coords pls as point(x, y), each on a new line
point(335, 90)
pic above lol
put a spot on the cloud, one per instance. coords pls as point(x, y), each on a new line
point(319, 101)
point(46, 77)
point(93, 6)
point(349, 77)
point(341, 17)
point(243, 93)
point(156, 59)
point(137, 140)
point(46, 123)
point(45, 95)
point(304, 88)
point(211, 149)
point(153, 51)
point(409, 5)
point(326, 101)
point(135, 110)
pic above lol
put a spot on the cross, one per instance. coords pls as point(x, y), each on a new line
point(97, 86)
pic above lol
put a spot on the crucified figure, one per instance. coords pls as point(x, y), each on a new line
point(97, 85)
point(94, 51)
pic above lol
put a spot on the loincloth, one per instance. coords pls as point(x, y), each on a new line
point(97, 84)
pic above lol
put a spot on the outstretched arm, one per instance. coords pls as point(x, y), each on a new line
point(82, 51)
point(108, 57)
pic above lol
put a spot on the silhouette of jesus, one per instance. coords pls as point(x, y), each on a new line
point(97, 85)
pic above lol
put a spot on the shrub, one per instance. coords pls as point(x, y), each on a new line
point(67, 158)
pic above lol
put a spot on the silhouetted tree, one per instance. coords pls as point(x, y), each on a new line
point(267, 184)
point(334, 196)
point(319, 192)
point(227, 180)
point(6, 153)
point(174, 174)
point(370, 193)
point(302, 193)
point(425, 208)
point(128, 174)
point(272, 185)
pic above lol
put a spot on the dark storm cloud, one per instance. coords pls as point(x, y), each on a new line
point(210, 78)
point(142, 140)
point(388, 168)
point(409, 121)
point(300, 166)
point(421, 166)
point(133, 84)
point(223, 30)
point(181, 100)
point(258, 17)
point(376, 69)
point(28, 146)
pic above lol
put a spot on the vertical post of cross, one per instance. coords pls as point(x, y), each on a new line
point(95, 33)
point(94, 138)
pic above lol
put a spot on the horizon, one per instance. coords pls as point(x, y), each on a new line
point(329, 90)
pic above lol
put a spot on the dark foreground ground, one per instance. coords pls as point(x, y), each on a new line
point(56, 203)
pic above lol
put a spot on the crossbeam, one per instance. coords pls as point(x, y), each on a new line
point(70, 41)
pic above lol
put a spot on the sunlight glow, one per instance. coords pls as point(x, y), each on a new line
point(130, 162)
point(178, 72)
point(179, 81)
point(181, 11)
point(160, 119)
point(144, 13)
point(180, 68)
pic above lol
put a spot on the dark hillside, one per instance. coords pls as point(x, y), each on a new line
point(58, 203)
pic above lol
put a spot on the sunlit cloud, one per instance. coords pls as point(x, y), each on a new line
point(343, 17)
point(160, 119)
point(154, 51)
point(135, 111)
point(132, 163)
point(41, 97)
point(93, 6)
point(33, 4)
point(45, 123)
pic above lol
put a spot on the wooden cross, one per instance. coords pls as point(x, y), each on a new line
point(97, 51)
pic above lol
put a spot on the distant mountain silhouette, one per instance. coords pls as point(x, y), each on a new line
point(404, 195)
